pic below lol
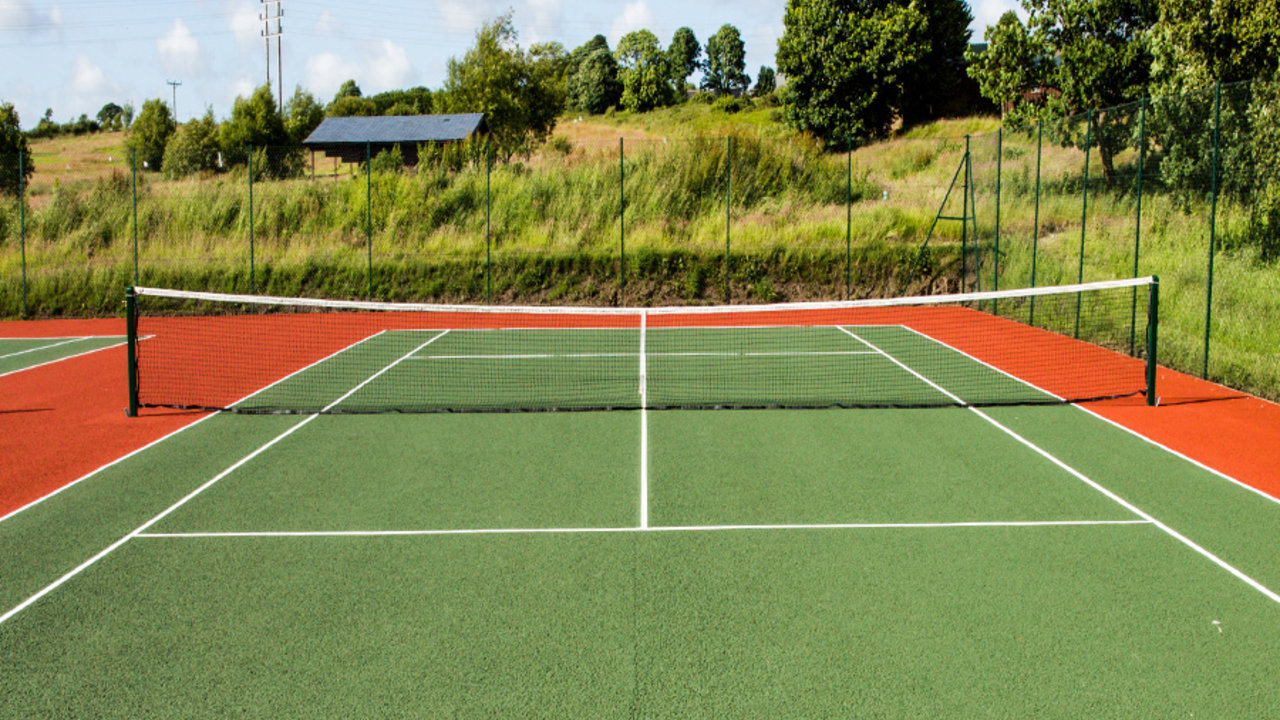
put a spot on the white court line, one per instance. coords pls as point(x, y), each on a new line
point(651, 529)
point(143, 527)
point(1105, 419)
point(553, 356)
point(61, 359)
point(1271, 594)
point(644, 427)
point(42, 347)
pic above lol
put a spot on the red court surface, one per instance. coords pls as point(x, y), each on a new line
point(61, 421)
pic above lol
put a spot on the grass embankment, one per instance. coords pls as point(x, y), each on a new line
point(556, 235)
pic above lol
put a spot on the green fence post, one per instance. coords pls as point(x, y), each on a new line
point(22, 229)
point(131, 332)
point(1137, 224)
point(1153, 326)
point(622, 222)
point(488, 224)
point(253, 281)
point(995, 279)
point(368, 211)
point(1084, 210)
point(1213, 227)
point(133, 179)
point(848, 224)
point(1035, 223)
point(964, 221)
point(728, 210)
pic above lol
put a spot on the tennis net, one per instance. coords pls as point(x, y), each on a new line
point(252, 354)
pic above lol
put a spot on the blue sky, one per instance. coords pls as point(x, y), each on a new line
point(75, 55)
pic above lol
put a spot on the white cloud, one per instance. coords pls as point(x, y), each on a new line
point(325, 72)
point(180, 52)
point(55, 16)
point(90, 86)
point(245, 24)
point(387, 67)
point(243, 87)
point(326, 23)
point(635, 16)
point(546, 20)
point(465, 16)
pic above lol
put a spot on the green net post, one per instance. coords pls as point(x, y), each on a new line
point(1084, 210)
point(22, 229)
point(622, 222)
point(1137, 220)
point(1153, 327)
point(133, 180)
point(995, 260)
point(253, 283)
point(1035, 222)
point(1213, 226)
point(728, 210)
point(131, 330)
point(368, 212)
point(964, 220)
point(488, 225)
point(848, 223)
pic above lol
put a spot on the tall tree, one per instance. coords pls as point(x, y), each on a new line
point(517, 91)
point(349, 88)
point(1202, 41)
point(301, 115)
point(935, 80)
point(150, 133)
point(109, 116)
point(683, 56)
point(192, 148)
point(726, 62)
point(766, 81)
point(844, 62)
point(595, 87)
point(255, 122)
point(13, 145)
point(644, 71)
point(1010, 66)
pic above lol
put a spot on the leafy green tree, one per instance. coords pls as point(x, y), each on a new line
point(352, 106)
point(192, 148)
point(13, 145)
point(126, 114)
point(934, 82)
point(414, 101)
point(255, 122)
point(644, 71)
point(349, 88)
point(1197, 42)
point(585, 50)
point(766, 81)
point(726, 63)
point(1010, 66)
point(844, 61)
point(595, 87)
point(109, 116)
point(683, 54)
point(1101, 58)
point(149, 134)
point(301, 115)
point(519, 92)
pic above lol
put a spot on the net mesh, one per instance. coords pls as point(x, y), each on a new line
point(273, 355)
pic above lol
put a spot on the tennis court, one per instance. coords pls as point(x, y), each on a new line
point(912, 529)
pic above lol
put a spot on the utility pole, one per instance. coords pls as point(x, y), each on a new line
point(174, 84)
point(267, 33)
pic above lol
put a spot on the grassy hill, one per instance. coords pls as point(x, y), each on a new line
point(696, 178)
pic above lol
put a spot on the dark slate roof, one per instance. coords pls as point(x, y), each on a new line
point(396, 129)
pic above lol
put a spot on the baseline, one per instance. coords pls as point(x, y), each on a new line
point(645, 529)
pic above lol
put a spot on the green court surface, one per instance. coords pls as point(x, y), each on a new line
point(22, 353)
point(1031, 561)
